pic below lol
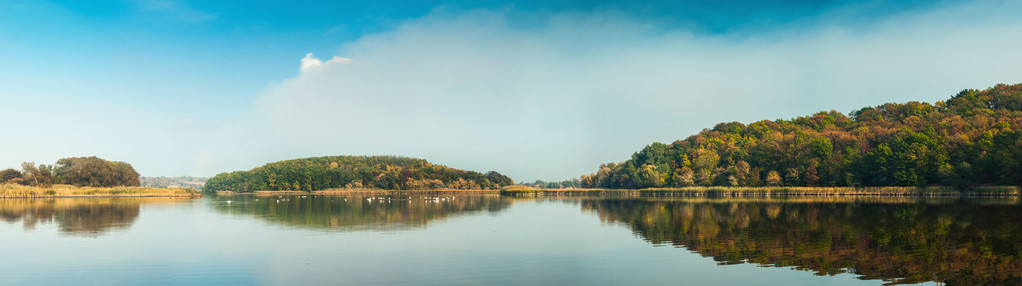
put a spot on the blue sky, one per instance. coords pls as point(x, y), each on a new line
point(534, 89)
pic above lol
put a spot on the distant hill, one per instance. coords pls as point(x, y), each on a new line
point(174, 182)
point(974, 138)
point(354, 172)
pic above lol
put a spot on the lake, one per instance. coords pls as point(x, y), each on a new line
point(489, 239)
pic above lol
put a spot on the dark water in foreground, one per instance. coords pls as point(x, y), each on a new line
point(415, 239)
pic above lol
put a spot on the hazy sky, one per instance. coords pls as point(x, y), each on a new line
point(532, 89)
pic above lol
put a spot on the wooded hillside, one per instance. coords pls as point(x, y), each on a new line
point(974, 138)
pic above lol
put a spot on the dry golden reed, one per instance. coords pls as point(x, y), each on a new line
point(19, 191)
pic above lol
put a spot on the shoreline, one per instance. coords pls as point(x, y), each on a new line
point(65, 191)
point(793, 199)
point(99, 196)
point(939, 191)
point(934, 191)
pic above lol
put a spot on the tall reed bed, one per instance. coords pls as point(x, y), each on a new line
point(19, 191)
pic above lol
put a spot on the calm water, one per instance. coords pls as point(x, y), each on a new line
point(317, 240)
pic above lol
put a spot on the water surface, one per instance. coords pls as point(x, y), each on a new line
point(489, 239)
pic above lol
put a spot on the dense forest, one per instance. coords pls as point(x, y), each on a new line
point(974, 138)
point(354, 172)
point(78, 171)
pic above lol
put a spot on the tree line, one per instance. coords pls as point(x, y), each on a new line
point(354, 172)
point(78, 171)
point(566, 184)
point(973, 138)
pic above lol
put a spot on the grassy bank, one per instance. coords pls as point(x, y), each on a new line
point(773, 191)
point(19, 191)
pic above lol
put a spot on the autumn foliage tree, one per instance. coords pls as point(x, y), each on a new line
point(7, 175)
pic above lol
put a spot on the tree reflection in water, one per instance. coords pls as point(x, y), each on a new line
point(358, 212)
point(958, 242)
point(74, 216)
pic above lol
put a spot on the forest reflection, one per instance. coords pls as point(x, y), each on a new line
point(73, 216)
point(357, 212)
point(960, 242)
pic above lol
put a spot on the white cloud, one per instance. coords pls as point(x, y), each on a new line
point(311, 63)
point(556, 99)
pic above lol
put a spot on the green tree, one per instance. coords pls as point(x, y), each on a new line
point(95, 172)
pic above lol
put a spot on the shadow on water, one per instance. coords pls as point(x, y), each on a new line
point(73, 216)
point(960, 242)
point(357, 212)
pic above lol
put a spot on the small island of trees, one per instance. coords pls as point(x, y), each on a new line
point(354, 172)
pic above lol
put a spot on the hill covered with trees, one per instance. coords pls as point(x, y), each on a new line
point(974, 138)
point(78, 171)
point(354, 172)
